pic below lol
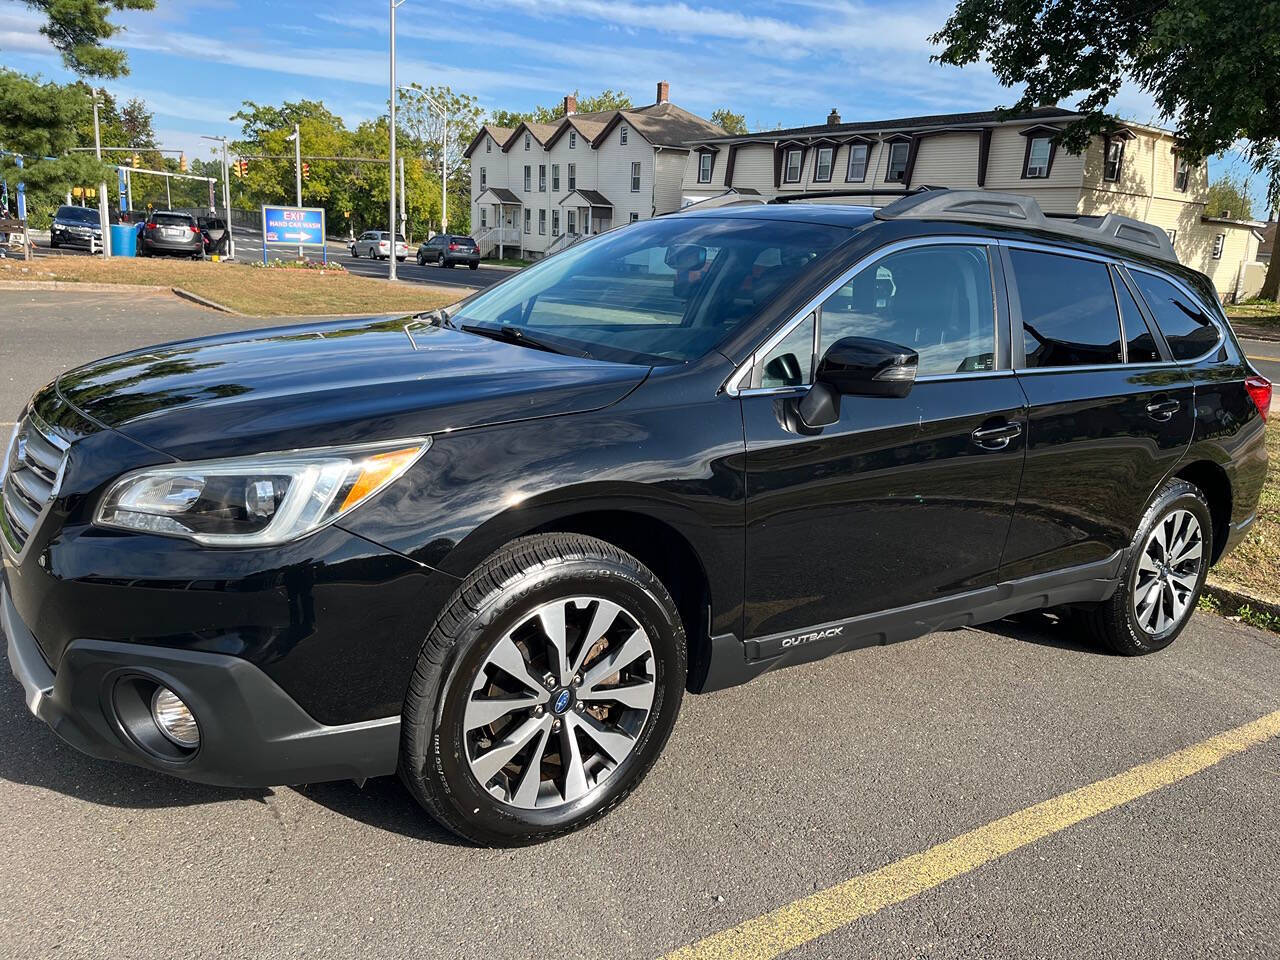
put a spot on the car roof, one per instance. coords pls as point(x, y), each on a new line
point(831, 214)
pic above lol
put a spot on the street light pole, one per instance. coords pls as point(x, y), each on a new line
point(391, 169)
point(103, 217)
point(297, 174)
point(444, 153)
point(226, 194)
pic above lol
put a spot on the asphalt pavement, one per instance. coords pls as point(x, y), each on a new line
point(1265, 356)
point(805, 805)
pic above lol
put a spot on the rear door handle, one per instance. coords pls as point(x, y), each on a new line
point(996, 436)
point(1163, 410)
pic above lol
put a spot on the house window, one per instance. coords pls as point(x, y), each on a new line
point(634, 217)
point(857, 170)
point(573, 139)
point(571, 220)
point(1038, 159)
point(704, 167)
point(792, 172)
point(1173, 236)
point(542, 178)
point(622, 135)
point(542, 222)
point(484, 180)
point(526, 141)
point(555, 177)
point(555, 223)
point(1181, 174)
point(573, 176)
point(488, 145)
point(528, 178)
point(822, 164)
point(635, 177)
point(897, 172)
point(528, 220)
point(1113, 161)
point(1219, 242)
point(484, 217)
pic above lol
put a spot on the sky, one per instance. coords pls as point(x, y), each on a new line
point(780, 63)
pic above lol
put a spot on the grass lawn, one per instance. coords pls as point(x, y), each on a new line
point(504, 262)
point(1255, 318)
point(1255, 563)
point(256, 291)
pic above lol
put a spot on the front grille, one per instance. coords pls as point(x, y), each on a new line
point(32, 471)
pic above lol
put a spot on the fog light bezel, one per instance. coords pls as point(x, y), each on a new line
point(132, 700)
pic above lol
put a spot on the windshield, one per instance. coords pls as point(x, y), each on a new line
point(657, 292)
point(78, 214)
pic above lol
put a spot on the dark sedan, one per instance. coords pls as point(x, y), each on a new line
point(166, 232)
point(449, 250)
point(76, 227)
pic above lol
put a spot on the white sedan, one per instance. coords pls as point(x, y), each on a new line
point(376, 245)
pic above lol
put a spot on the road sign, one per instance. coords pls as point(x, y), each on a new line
point(297, 226)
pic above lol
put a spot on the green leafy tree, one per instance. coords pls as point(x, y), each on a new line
point(596, 103)
point(509, 118)
point(79, 30)
point(1230, 195)
point(1208, 64)
point(426, 127)
point(729, 121)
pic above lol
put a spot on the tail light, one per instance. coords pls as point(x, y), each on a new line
point(453, 246)
point(195, 229)
point(1259, 388)
point(150, 226)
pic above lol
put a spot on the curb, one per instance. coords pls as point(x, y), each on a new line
point(204, 301)
point(1233, 598)
point(75, 285)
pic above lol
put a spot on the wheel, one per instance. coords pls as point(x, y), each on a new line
point(53, 244)
point(422, 261)
point(475, 266)
point(556, 672)
point(1162, 575)
point(355, 254)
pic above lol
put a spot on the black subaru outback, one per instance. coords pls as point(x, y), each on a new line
point(492, 547)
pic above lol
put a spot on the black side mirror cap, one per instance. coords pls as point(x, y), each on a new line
point(866, 367)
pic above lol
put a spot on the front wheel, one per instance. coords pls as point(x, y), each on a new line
point(1162, 577)
point(545, 691)
point(475, 266)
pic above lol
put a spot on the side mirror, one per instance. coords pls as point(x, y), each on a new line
point(685, 257)
point(865, 367)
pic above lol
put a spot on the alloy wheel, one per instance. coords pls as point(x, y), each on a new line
point(559, 703)
point(1168, 572)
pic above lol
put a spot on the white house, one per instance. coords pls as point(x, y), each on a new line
point(540, 187)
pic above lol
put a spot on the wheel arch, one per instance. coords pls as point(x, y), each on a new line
point(1214, 483)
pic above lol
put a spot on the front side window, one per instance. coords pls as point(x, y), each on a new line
point(897, 171)
point(528, 178)
point(635, 177)
point(1113, 161)
point(792, 174)
point(822, 165)
point(660, 291)
point(790, 363)
point(1181, 174)
point(935, 300)
point(555, 177)
point(856, 172)
point(1185, 324)
point(704, 167)
point(1140, 344)
point(573, 176)
point(1038, 158)
point(1068, 306)
point(542, 178)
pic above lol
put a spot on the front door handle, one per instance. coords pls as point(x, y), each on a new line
point(1163, 410)
point(996, 436)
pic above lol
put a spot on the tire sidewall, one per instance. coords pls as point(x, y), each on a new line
point(446, 768)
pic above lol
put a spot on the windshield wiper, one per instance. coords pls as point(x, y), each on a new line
point(521, 337)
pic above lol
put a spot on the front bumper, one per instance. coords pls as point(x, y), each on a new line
point(253, 734)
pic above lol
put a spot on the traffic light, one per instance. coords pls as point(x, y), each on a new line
point(182, 162)
point(244, 168)
point(306, 171)
point(136, 161)
point(240, 168)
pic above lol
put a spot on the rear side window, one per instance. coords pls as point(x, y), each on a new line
point(1069, 314)
point(1181, 319)
point(1141, 344)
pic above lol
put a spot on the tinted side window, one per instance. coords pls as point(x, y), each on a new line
point(934, 300)
point(1183, 322)
point(790, 363)
point(1069, 314)
point(1142, 345)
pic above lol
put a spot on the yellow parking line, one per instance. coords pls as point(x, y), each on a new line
point(807, 919)
point(1272, 359)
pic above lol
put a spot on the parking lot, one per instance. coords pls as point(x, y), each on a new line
point(769, 800)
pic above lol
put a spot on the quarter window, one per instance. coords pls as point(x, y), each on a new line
point(822, 164)
point(792, 173)
point(704, 167)
point(1069, 314)
point(1184, 323)
point(934, 300)
point(1141, 346)
point(857, 169)
point(897, 172)
point(1038, 158)
point(790, 363)
point(1113, 161)
point(635, 177)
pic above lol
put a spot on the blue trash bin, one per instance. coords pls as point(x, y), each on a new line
point(124, 240)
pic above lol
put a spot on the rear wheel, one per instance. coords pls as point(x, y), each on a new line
point(1162, 577)
point(475, 266)
point(545, 691)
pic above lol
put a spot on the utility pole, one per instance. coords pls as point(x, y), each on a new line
point(297, 174)
point(103, 217)
point(226, 194)
point(403, 224)
point(444, 154)
point(391, 214)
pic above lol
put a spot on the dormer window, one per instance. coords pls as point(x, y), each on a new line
point(791, 173)
point(1038, 159)
point(622, 135)
point(704, 167)
point(897, 170)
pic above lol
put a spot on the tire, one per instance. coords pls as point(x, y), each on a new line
point(53, 244)
point(422, 261)
point(496, 615)
point(475, 266)
point(355, 254)
point(1155, 599)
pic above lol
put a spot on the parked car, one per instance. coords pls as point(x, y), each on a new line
point(449, 250)
point(377, 245)
point(74, 226)
point(169, 232)
point(491, 547)
point(214, 233)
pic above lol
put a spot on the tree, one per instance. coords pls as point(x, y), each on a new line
point(729, 121)
point(601, 102)
point(509, 118)
point(78, 29)
point(1210, 65)
point(1230, 195)
point(426, 128)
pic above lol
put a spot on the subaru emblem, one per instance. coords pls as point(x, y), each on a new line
point(562, 702)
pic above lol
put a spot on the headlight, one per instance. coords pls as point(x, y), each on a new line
point(255, 501)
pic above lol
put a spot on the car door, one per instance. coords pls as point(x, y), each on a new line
point(1110, 413)
point(903, 500)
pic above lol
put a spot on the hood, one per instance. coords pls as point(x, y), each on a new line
point(332, 383)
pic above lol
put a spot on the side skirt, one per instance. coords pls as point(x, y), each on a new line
point(733, 662)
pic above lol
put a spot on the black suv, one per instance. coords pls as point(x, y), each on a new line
point(449, 250)
point(74, 226)
point(491, 548)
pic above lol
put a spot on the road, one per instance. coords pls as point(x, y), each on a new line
point(1265, 356)
point(824, 781)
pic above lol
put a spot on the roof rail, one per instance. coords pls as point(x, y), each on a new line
point(981, 206)
point(808, 196)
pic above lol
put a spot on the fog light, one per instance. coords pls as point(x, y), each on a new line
point(175, 719)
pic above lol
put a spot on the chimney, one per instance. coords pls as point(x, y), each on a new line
point(570, 105)
point(664, 91)
point(833, 118)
